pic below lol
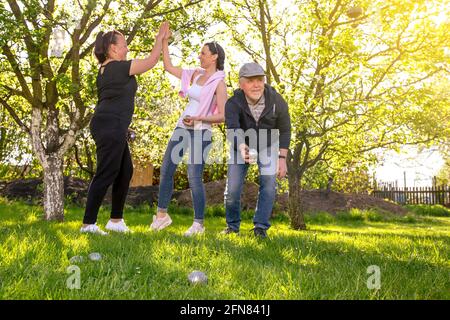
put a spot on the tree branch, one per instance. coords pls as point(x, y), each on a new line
point(31, 47)
point(14, 115)
point(148, 7)
point(16, 68)
point(77, 158)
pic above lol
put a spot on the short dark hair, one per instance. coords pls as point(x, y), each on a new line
point(215, 48)
point(103, 42)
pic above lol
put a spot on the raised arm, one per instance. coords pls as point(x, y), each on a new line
point(139, 66)
point(168, 66)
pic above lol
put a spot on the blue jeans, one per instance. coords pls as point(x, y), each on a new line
point(199, 143)
point(266, 196)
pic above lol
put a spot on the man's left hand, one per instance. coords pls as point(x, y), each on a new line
point(282, 168)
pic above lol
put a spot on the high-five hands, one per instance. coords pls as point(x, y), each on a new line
point(163, 31)
point(168, 34)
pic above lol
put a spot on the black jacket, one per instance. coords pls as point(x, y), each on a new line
point(274, 116)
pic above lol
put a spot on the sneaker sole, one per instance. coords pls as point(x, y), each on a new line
point(102, 234)
point(193, 234)
point(118, 231)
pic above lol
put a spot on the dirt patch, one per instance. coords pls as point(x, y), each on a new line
point(314, 201)
point(215, 191)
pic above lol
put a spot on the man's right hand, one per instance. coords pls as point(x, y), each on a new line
point(243, 148)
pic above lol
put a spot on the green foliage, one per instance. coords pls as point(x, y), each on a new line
point(66, 84)
point(352, 215)
point(215, 211)
point(320, 218)
point(370, 215)
point(353, 85)
point(443, 176)
point(427, 210)
point(408, 219)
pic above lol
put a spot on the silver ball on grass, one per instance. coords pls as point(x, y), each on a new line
point(197, 277)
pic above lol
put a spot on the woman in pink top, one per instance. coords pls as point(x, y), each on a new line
point(206, 90)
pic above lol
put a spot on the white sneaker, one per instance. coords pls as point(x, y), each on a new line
point(117, 226)
point(196, 228)
point(160, 223)
point(93, 228)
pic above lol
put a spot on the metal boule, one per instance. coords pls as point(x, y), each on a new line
point(197, 277)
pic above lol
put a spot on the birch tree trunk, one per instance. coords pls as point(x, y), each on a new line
point(51, 158)
point(53, 188)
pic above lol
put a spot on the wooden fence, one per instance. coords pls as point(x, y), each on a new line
point(418, 195)
point(142, 175)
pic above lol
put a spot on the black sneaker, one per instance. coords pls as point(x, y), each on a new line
point(260, 233)
point(228, 230)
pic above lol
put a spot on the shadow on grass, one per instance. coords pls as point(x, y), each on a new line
point(148, 265)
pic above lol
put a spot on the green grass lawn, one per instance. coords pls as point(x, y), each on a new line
point(328, 261)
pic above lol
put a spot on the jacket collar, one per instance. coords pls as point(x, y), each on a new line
point(269, 96)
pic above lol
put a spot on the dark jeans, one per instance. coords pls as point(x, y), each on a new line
point(198, 141)
point(114, 167)
point(237, 172)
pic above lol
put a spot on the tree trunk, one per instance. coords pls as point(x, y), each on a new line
point(53, 188)
point(296, 209)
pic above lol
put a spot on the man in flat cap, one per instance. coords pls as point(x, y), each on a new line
point(259, 129)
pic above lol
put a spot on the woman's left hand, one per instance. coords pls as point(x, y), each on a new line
point(190, 120)
point(168, 34)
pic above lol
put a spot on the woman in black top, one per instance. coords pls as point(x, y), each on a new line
point(116, 88)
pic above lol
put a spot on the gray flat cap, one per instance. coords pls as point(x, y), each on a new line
point(251, 69)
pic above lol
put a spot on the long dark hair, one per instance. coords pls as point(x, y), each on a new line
point(103, 42)
point(215, 48)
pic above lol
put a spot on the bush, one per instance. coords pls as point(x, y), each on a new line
point(373, 216)
point(352, 215)
point(363, 215)
point(427, 210)
point(409, 218)
point(319, 218)
point(180, 210)
point(5, 201)
point(215, 211)
point(281, 217)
